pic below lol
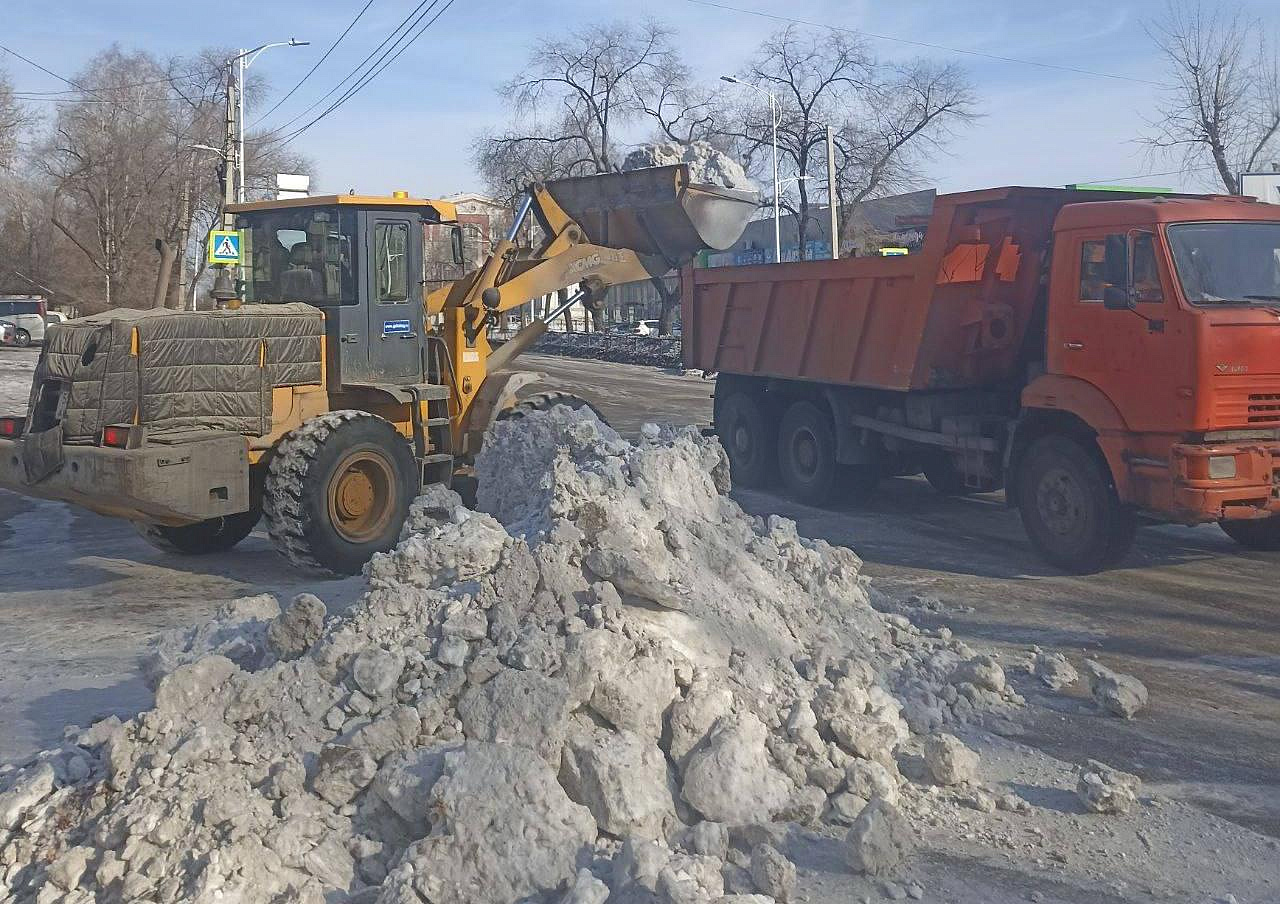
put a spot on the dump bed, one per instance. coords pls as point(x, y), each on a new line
point(953, 315)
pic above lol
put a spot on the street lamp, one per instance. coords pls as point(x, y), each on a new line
point(243, 60)
point(777, 200)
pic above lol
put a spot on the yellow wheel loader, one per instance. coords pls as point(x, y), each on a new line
point(339, 387)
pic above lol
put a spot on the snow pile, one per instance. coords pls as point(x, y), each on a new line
point(707, 166)
point(611, 682)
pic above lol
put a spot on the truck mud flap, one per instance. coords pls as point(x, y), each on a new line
point(42, 454)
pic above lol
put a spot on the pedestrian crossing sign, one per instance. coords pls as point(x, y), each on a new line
point(224, 247)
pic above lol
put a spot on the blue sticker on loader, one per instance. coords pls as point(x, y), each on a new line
point(394, 327)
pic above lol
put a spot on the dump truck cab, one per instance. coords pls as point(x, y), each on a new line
point(1164, 336)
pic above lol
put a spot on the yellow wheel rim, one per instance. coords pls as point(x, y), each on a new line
point(361, 496)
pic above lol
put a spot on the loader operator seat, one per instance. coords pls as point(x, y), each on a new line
point(300, 282)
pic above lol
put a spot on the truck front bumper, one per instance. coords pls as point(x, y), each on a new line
point(1225, 481)
point(174, 484)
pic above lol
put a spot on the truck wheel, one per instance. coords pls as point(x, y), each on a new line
point(1261, 534)
point(21, 338)
point(338, 491)
point(201, 538)
point(1070, 509)
point(807, 455)
point(748, 440)
point(945, 477)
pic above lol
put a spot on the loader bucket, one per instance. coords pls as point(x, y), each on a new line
point(656, 211)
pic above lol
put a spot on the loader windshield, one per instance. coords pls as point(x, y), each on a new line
point(1228, 263)
point(306, 254)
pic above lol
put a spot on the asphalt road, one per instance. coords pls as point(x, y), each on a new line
point(1188, 612)
point(1191, 614)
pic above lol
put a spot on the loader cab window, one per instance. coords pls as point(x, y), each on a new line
point(305, 254)
point(391, 250)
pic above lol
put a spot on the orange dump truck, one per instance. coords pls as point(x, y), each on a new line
point(1103, 357)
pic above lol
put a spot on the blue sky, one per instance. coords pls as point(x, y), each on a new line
point(413, 127)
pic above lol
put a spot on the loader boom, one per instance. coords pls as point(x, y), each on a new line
point(598, 231)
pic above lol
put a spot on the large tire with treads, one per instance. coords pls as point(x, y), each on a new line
point(338, 491)
point(203, 537)
point(545, 401)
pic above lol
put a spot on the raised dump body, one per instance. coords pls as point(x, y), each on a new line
point(952, 316)
point(1095, 354)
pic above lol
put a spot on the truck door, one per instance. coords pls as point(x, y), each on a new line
point(1140, 359)
point(392, 284)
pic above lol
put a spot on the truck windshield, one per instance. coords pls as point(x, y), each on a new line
point(1228, 263)
point(300, 254)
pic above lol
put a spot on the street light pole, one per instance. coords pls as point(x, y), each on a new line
point(777, 194)
point(242, 61)
point(831, 193)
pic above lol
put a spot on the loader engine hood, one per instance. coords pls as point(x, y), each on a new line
point(173, 370)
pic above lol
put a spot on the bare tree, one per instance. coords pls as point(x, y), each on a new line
point(1222, 110)
point(887, 118)
point(14, 120)
point(579, 94)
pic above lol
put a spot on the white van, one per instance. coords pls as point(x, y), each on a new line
point(27, 315)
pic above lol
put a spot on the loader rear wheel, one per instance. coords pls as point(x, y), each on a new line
point(1261, 534)
point(203, 537)
point(338, 491)
point(748, 439)
point(1070, 509)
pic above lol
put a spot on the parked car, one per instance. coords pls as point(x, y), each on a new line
point(8, 333)
point(55, 317)
point(27, 316)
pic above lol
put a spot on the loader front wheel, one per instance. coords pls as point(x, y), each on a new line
point(338, 491)
point(203, 537)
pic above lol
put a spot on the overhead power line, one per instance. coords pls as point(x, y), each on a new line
point(404, 42)
point(65, 80)
point(319, 62)
point(168, 79)
point(927, 44)
point(404, 26)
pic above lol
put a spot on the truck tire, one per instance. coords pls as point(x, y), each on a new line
point(21, 338)
point(203, 537)
point(1070, 509)
point(338, 491)
point(945, 477)
point(807, 456)
point(748, 440)
point(1262, 534)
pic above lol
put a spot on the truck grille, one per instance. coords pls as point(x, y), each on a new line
point(1264, 408)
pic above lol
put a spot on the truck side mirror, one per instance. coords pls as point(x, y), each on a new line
point(1117, 295)
point(455, 237)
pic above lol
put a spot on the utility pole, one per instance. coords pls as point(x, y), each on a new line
point(230, 161)
point(831, 193)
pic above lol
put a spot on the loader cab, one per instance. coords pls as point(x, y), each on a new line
point(361, 260)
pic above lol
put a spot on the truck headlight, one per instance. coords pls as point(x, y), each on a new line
point(1222, 467)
